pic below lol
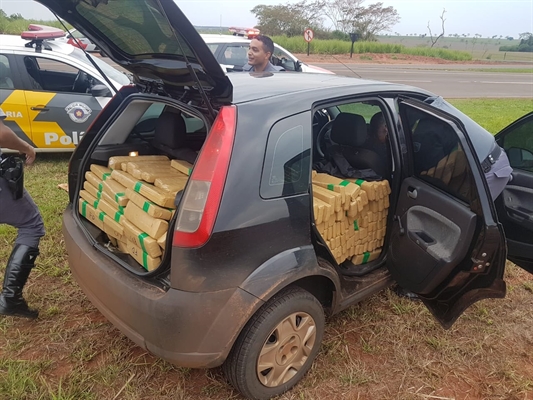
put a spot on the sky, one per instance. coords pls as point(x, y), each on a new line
point(484, 17)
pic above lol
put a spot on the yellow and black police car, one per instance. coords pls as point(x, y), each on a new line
point(49, 90)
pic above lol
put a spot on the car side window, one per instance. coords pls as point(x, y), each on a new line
point(6, 81)
point(282, 59)
point(518, 144)
point(56, 76)
point(213, 47)
point(235, 55)
point(286, 167)
point(438, 157)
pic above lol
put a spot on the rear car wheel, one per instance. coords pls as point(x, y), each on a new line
point(277, 346)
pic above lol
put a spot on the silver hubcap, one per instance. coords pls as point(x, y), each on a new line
point(286, 349)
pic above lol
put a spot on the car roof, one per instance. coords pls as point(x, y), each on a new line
point(307, 86)
point(13, 42)
point(214, 38)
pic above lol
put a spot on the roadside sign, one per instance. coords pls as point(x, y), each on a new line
point(308, 35)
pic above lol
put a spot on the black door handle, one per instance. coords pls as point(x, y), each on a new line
point(40, 109)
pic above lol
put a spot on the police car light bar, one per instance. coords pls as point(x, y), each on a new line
point(41, 32)
point(248, 32)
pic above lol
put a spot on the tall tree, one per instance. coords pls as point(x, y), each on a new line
point(290, 19)
point(352, 16)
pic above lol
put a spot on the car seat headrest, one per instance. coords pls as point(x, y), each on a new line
point(349, 130)
point(170, 130)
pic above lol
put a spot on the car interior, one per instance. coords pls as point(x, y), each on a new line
point(55, 76)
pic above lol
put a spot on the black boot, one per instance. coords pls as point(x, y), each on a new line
point(18, 269)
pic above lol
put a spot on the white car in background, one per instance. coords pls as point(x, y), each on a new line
point(49, 90)
point(231, 52)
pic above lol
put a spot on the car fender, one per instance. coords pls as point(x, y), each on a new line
point(285, 268)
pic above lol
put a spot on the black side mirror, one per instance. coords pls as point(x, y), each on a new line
point(298, 66)
point(100, 90)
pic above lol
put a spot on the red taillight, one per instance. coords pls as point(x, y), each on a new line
point(201, 200)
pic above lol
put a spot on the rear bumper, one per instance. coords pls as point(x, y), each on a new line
point(189, 329)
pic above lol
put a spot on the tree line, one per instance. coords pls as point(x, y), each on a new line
point(346, 16)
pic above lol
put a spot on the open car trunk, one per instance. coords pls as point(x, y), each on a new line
point(133, 177)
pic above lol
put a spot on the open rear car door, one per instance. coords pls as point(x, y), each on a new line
point(515, 204)
point(446, 244)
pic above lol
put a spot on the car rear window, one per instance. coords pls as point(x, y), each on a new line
point(136, 27)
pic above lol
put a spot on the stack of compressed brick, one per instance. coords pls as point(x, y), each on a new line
point(351, 216)
point(132, 201)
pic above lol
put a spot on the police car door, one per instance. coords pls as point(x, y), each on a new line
point(446, 244)
point(12, 99)
point(515, 205)
point(59, 107)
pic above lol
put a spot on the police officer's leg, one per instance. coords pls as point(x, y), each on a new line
point(24, 215)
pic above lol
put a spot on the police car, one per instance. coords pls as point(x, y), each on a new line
point(49, 89)
point(231, 52)
point(78, 39)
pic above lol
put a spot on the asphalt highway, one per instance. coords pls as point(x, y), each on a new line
point(451, 81)
point(447, 80)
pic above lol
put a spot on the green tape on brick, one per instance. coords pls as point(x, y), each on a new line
point(101, 216)
point(141, 237)
point(146, 206)
point(331, 186)
point(105, 176)
point(118, 196)
point(355, 225)
point(366, 256)
point(344, 183)
point(359, 182)
point(138, 186)
point(84, 208)
point(145, 261)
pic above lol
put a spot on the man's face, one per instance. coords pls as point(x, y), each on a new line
point(257, 56)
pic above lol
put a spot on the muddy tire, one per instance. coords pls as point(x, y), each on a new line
point(277, 346)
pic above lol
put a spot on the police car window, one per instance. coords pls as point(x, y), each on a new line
point(213, 47)
point(438, 157)
point(6, 81)
point(235, 55)
point(518, 145)
point(56, 76)
point(283, 59)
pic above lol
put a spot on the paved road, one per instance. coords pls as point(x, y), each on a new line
point(451, 81)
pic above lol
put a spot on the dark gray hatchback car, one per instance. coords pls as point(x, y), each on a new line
point(244, 277)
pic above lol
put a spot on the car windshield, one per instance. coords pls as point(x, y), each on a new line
point(107, 69)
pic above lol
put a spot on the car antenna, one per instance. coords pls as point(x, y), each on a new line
point(346, 66)
point(87, 55)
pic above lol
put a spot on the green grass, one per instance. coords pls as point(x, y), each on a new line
point(494, 114)
point(298, 45)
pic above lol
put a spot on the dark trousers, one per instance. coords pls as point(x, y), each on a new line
point(22, 214)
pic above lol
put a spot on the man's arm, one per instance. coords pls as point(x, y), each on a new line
point(10, 140)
